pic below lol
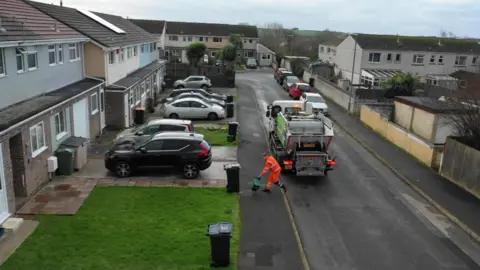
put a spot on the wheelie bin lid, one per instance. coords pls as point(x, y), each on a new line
point(74, 141)
point(231, 166)
point(219, 229)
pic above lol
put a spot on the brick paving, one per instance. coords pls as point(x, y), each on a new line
point(66, 195)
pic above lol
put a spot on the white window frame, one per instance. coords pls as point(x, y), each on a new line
point(219, 40)
point(190, 38)
point(131, 99)
point(20, 52)
point(94, 100)
point(138, 94)
point(41, 145)
point(122, 55)
point(72, 47)
point(135, 51)
point(417, 57)
point(54, 52)
point(111, 57)
point(433, 59)
point(2, 63)
point(460, 57)
point(391, 57)
point(60, 54)
point(440, 59)
point(399, 56)
point(142, 49)
point(129, 52)
point(35, 54)
point(142, 87)
point(174, 52)
point(371, 57)
point(78, 51)
point(245, 54)
point(57, 119)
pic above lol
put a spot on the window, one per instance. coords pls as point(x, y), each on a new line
point(154, 145)
point(174, 52)
point(463, 84)
point(418, 58)
point(129, 52)
point(200, 39)
point(2, 63)
point(432, 59)
point(182, 104)
point(78, 51)
point(60, 54)
point(398, 58)
point(195, 104)
point(264, 56)
point(111, 57)
point(135, 51)
point(151, 47)
point(122, 55)
point(51, 55)
point(173, 38)
point(217, 39)
point(154, 46)
point(130, 97)
point(440, 59)
point(142, 49)
point(244, 41)
point(268, 56)
point(189, 38)
point(328, 50)
point(322, 49)
point(37, 139)
point(72, 51)
point(147, 85)
point(206, 38)
point(94, 103)
point(174, 144)
point(61, 124)
point(212, 54)
point(32, 60)
point(245, 54)
point(389, 57)
point(460, 60)
point(20, 52)
point(250, 41)
point(474, 62)
point(184, 38)
point(137, 95)
point(374, 57)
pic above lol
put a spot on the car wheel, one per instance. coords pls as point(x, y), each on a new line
point(190, 171)
point(123, 169)
point(204, 87)
point(180, 87)
point(173, 116)
point(212, 116)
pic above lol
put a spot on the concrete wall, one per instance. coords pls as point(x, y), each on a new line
point(460, 166)
point(46, 78)
point(330, 91)
point(411, 143)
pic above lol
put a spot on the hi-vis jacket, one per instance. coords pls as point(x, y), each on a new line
point(271, 165)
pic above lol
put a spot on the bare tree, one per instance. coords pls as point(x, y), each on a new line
point(447, 34)
point(466, 123)
point(276, 37)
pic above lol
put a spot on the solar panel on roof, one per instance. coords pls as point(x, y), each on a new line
point(101, 21)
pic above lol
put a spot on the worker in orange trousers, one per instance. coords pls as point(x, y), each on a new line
point(272, 166)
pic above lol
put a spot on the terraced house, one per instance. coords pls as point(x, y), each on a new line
point(121, 53)
point(178, 36)
point(46, 98)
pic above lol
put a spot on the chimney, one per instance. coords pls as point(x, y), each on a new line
point(439, 42)
point(398, 39)
point(61, 3)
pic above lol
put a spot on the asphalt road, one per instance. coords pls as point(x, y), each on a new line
point(362, 216)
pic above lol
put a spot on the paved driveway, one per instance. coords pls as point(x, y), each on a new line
point(362, 216)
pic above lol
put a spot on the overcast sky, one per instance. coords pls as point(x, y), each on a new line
point(404, 17)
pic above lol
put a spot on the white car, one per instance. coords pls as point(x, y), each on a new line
point(317, 101)
point(193, 108)
point(200, 96)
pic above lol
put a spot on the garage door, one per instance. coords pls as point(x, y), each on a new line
point(81, 123)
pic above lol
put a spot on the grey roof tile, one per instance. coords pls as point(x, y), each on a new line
point(211, 29)
point(30, 107)
point(137, 75)
point(151, 26)
point(23, 22)
point(95, 30)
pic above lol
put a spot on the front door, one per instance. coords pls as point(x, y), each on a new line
point(3, 191)
point(81, 119)
point(102, 108)
point(126, 111)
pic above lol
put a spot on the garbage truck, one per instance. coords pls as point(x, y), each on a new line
point(299, 141)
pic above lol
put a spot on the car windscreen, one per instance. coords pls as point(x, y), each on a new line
point(251, 61)
point(318, 99)
point(292, 79)
point(303, 88)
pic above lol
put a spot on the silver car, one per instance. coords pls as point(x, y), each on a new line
point(193, 82)
point(200, 96)
point(152, 127)
point(289, 81)
point(193, 108)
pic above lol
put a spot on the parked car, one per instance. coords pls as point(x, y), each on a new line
point(193, 108)
point(193, 82)
point(220, 63)
point(251, 63)
point(317, 101)
point(276, 73)
point(152, 127)
point(188, 152)
point(297, 89)
point(289, 81)
point(219, 102)
point(177, 92)
point(281, 76)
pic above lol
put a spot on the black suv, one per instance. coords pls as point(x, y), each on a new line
point(187, 152)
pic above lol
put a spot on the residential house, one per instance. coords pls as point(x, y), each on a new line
point(46, 98)
point(327, 51)
point(371, 59)
point(468, 81)
point(120, 52)
point(179, 35)
point(154, 27)
point(265, 56)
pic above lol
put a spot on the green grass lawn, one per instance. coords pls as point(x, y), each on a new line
point(241, 67)
point(216, 135)
point(131, 228)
